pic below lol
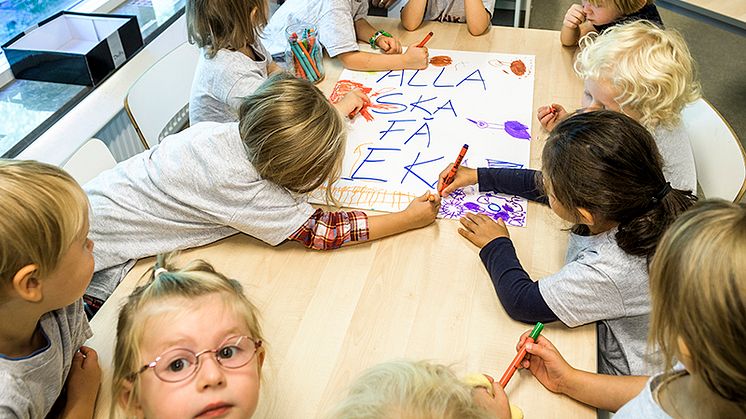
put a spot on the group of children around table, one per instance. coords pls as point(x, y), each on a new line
point(664, 282)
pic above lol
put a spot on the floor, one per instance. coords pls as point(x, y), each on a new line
point(720, 55)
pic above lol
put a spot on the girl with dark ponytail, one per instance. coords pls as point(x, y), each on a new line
point(601, 171)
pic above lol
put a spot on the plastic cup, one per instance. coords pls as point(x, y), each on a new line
point(304, 54)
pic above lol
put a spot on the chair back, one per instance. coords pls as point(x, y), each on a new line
point(157, 103)
point(718, 154)
point(92, 158)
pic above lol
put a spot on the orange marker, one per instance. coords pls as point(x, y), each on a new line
point(452, 174)
point(424, 41)
point(310, 60)
point(520, 355)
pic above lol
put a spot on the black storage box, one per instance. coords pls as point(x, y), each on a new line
point(74, 48)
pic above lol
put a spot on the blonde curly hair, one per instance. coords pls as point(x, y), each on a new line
point(650, 67)
point(625, 7)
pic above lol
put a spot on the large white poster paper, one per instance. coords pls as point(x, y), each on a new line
point(419, 120)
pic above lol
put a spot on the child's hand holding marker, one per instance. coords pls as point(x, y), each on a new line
point(551, 115)
point(416, 58)
point(352, 103)
point(574, 16)
point(423, 209)
point(464, 177)
point(546, 363)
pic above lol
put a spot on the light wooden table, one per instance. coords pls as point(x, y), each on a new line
point(420, 295)
point(725, 14)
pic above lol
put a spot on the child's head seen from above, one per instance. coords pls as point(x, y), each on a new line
point(638, 69)
point(188, 343)
point(225, 24)
point(43, 234)
point(293, 135)
point(698, 296)
point(603, 168)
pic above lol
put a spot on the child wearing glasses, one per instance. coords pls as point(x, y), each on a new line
point(188, 345)
point(46, 262)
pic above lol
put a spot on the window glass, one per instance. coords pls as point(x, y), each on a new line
point(18, 15)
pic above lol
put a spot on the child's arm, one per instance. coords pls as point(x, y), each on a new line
point(331, 230)
point(522, 182)
point(412, 14)
point(477, 17)
point(82, 384)
point(388, 44)
point(608, 392)
point(570, 33)
point(413, 59)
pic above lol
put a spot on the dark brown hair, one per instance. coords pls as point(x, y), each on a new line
point(230, 24)
point(609, 164)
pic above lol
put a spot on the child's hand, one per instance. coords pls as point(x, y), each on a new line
point(416, 58)
point(497, 405)
point(551, 115)
point(423, 209)
point(545, 363)
point(389, 45)
point(352, 103)
point(83, 380)
point(574, 16)
point(464, 177)
point(481, 229)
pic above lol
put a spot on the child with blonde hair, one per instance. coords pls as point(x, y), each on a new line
point(648, 74)
point(341, 24)
point(214, 180)
point(46, 262)
point(233, 62)
point(476, 14)
point(188, 345)
point(406, 389)
point(595, 16)
point(602, 172)
point(698, 289)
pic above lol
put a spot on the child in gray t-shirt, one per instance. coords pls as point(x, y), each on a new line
point(601, 171)
point(477, 18)
point(46, 264)
point(233, 62)
point(341, 24)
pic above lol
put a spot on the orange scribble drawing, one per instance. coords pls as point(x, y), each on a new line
point(516, 66)
point(441, 60)
point(367, 197)
point(346, 86)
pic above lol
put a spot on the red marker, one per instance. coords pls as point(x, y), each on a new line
point(424, 41)
point(452, 174)
point(520, 355)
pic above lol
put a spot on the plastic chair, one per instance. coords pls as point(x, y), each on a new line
point(92, 158)
point(718, 154)
point(158, 102)
point(517, 15)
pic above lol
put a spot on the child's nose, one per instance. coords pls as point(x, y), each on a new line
point(210, 373)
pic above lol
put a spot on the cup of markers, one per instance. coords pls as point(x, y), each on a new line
point(304, 52)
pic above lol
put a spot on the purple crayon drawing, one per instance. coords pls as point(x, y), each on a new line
point(511, 209)
point(514, 128)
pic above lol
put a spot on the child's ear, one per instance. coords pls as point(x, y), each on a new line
point(26, 283)
point(585, 217)
point(260, 353)
point(127, 402)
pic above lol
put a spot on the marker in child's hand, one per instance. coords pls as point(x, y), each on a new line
point(535, 332)
point(452, 174)
point(424, 41)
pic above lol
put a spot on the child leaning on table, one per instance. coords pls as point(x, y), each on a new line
point(598, 15)
point(341, 24)
point(648, 74)
point(188, 345)
point(232, 62)
point(698, 289)
point(215, 180)
point(602, 172)
point(46, 262)
point(406, 389)
point(475, 13)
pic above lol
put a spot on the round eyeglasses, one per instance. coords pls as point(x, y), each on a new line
point(181, 363)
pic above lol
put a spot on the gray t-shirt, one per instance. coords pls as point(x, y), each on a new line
point(194, 188)
point(645, 404)
point(603, 284)
point(678, 158)
point(451, 10)
point(221, 82)
point(30, 385)
point(334, 20)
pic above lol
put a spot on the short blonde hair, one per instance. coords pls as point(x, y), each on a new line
point(293, 135)
point(650, 67)
point(413, 390)
point(625, 7)
point(698, 292)
point(196, 279)
point(44, 212)
point(225, 24)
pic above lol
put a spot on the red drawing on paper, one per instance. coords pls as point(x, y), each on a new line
point(441, 60)
point(346, 86)
point(517, 67)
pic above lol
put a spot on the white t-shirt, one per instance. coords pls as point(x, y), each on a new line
point(334, 20)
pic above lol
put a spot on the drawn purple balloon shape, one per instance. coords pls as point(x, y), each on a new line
point(517, 130)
